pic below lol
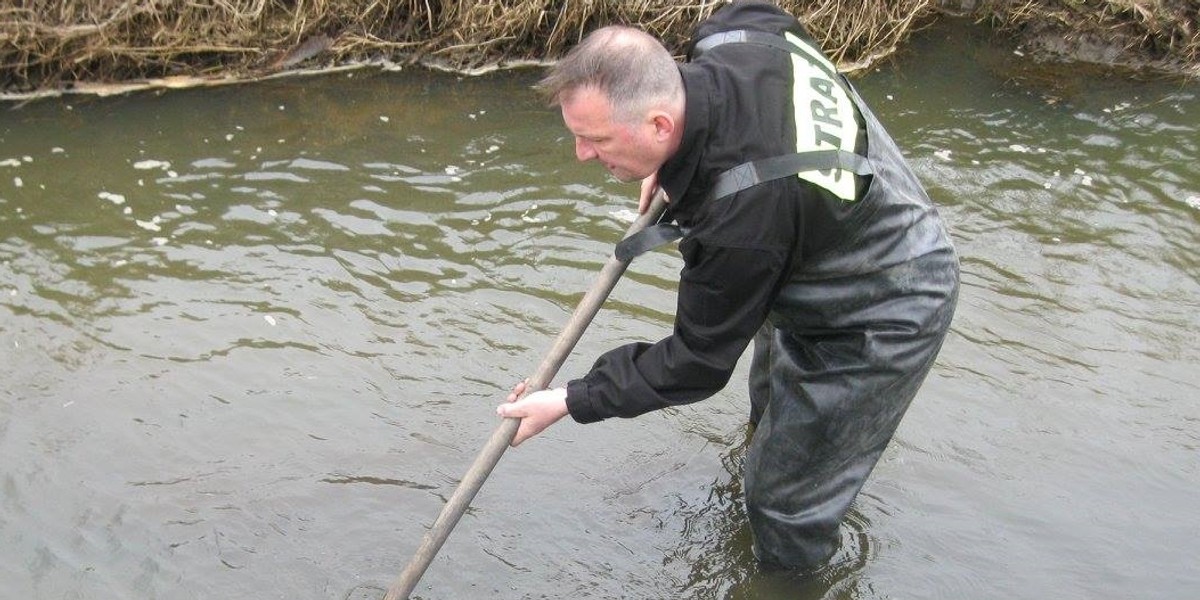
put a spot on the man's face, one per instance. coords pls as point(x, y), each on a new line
point(627, 150)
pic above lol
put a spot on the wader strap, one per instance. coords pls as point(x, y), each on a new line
point(647, 240)
point(752, 173)
point(757, 38)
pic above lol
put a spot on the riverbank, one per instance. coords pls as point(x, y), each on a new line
point(102, 47)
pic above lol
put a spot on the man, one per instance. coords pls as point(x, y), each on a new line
point(803, 230)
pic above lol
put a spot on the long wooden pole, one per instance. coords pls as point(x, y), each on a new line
point(491, 452)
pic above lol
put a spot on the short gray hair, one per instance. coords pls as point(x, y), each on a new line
point(631, 67)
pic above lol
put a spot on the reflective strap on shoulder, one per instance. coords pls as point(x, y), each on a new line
point(757, 38)
point(752, 173)
point(647, 240)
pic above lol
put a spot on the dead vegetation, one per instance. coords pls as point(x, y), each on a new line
point(56, 44)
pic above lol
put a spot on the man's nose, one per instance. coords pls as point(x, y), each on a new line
point(584, 150)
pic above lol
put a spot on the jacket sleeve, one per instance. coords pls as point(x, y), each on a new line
point(725, 294)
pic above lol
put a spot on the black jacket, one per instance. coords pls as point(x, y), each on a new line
point(741, 251)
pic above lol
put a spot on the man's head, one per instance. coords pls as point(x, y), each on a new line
point(622, 98)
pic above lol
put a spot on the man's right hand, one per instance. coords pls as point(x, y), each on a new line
point(649, 187)
point(537, 410)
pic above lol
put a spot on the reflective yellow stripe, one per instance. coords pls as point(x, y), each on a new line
point(824, 117)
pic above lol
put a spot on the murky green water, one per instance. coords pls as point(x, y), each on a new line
point(250, 337)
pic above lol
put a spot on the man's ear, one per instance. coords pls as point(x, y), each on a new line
point(664, 126)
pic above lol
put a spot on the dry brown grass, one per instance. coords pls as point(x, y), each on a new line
point(489, 30)
point(49, 43)
point(55, 43)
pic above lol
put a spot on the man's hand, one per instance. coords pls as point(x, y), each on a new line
point(537, 411)
point(649, 187)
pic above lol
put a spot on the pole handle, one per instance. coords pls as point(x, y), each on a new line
point(491, 452)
